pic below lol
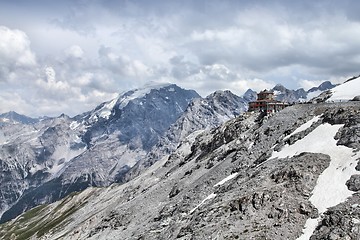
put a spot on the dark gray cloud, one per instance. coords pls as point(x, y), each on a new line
point(75, 54)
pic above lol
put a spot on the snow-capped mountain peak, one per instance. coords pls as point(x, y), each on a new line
point(125, 98)
point(105, 110)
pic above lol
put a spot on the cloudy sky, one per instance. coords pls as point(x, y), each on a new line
point(68, 56)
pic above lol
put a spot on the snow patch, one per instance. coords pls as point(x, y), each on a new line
point(185, 147)
point(5, 120)
point(313, 94)
point(62, 155)
point(226, 179)
point(35, 168)
point(309, 228)
point(276, 92)
point(105, 111)
point(139, 93)
point(304, 126)
point(345, 91)
point(74, 125)
point(327, 192)
point(213, 195)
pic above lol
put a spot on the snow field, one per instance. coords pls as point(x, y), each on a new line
point(304, 126)
point(330, 189)
point(345, 91)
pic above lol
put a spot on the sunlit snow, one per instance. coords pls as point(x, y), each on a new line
point(105, 111)
point(213, 195)
point(304, 126)
point(327, 193)
point(345, 91)
point(62, 155)
point(141, 92)
point(311, 95)
point(226, 179)
point(74, 125)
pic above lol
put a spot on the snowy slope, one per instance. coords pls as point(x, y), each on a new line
point(342, 167)
point(105, 110)
point(346, 91)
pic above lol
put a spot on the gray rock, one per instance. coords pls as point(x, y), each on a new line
point(356, 98)
point(340, 222)
point(353, 183)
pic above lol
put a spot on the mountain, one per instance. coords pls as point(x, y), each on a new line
point(47, 160)
point(291, 175)
point(349, 90)
point(114, 142)
point(202, 114)
point(285, 95)
point(15, 118)
point(316, 91)
point(250, 95)
point(322, 87)
point(291, 96)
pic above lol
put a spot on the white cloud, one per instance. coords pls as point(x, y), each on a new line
point(209, 78)
point(251, 45)
point(123, 65)
point(15, 48)
point(12, 100)
point(15, 52)
point(74, 51)
point(307, 84)
point(256, 84)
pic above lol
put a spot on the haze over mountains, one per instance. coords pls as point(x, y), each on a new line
point(181, 137)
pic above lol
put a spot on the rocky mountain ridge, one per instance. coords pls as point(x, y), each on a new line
point(300, 95)
point(45, 161)
point(15, 118)
point(251, 178)
point(237, 181)
point(202, 114)
point(57, 156)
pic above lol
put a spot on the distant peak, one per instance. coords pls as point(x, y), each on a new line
point(249, 91)
point(279, 87)
point(15, 117)
point(322, 87)
point(222, 92)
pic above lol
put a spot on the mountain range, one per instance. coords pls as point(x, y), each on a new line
point(15, 118)
point(169, 148)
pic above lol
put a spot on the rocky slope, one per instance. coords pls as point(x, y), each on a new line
point(115, 142)
point(202, 114)
point(291, 175)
